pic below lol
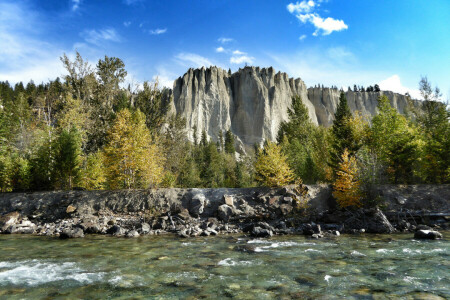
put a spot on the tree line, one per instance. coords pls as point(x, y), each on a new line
point(86, 130)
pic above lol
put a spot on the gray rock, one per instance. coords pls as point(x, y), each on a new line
point(8, 220)
point(116, 230)
point(25, 227)
point(132, 234)
point(427, 234)
point(224, 212)
point(261, 232)
point(197, 205)
point(71, 233)
point(254, 101)
point(145, 228)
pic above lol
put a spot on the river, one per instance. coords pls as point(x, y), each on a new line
point(167, 267)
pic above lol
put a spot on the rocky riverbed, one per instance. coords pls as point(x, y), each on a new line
point(260, 212)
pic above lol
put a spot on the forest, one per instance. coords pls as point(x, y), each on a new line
point(87, 130)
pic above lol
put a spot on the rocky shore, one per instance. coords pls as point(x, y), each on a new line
point(260, 212)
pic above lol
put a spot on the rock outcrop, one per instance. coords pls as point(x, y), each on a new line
point(253, 101)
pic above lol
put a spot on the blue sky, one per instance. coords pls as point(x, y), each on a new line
point(332, 42)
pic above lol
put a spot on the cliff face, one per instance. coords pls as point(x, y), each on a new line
point(325, 101)
point(253, 101)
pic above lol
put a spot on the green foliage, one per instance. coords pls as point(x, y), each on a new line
point(395, 142)
point(304, 144)
point(343, 134)
point(68, 159)
point(229, 142)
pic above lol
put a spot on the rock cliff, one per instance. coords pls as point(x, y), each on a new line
point(253, 101)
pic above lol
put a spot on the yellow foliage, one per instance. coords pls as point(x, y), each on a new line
point(272, 168)
point(93, 174)
point(346, 186)
point(132, 159)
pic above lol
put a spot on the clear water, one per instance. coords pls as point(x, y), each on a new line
point(166, 267)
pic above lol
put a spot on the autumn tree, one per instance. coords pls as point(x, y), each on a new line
point(346, 188)
point(272, 168)
point(93, 173)
point(132, 158)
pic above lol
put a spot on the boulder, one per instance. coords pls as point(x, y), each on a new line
point(197, 205)
point(132, 234)
point(261, 232)
point(228, 200)
point(25, 227)
point(145, 228)
point(427, 235)
point(310, 229)
point(224, 212)
point(116, 230)
point(71, 233)
point(9, 219)
point(378, 223)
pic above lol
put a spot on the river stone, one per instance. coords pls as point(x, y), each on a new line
point(8, 220)
point(132, 234)
point(261, 232)
point(116, 230)
point(224, 212)
point(25, 227)
point(427, 234)
point(71, 233)
point(70, 209)
point(145, 228)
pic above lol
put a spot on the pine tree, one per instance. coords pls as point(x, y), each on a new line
point(229, 142)
point(343, 136)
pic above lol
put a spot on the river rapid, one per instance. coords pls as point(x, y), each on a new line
point(282, 267)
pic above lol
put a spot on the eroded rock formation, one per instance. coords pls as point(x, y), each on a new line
point(253, 101)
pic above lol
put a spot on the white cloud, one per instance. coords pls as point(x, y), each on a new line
point(237, 52)
point(75, 4)
point(304, 11)
point(220, 49)
point(225, 40)
point(96, 37)
point(327, 25)
point(241, 59)
point(24, 54)
point(301, 7)
point(394, 84)
point(193, 60)
point(127, 24)
point(158, 31)
point(302, 37)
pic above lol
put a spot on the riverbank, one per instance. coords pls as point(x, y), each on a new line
point(259, 212)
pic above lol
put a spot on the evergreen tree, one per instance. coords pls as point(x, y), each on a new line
point(229, 142)
point(68, 159)
point(343, 136)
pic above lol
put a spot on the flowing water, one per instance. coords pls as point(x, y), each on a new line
point(166, 267)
